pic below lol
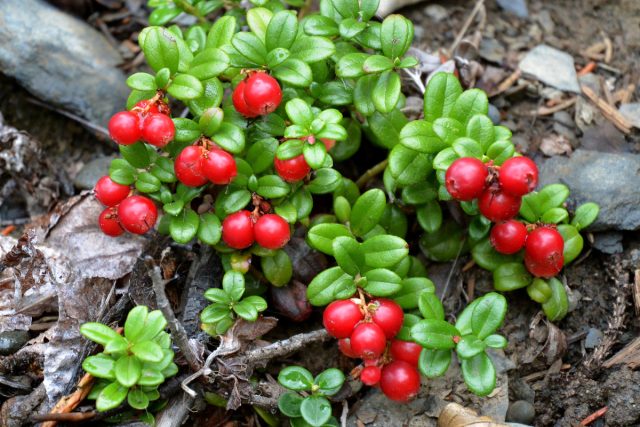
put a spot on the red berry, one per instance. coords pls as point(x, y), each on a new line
point(406, 350)
point(124, 128)
point(389, 316)
point(158, 130)
point(137, 214)
point(239, 101)
point(292, 170)
point(370, 375)
point(498, 205)
point(508, 237)
point(237, 230)
point(466, 178)
point(110, 193)
point(188, 166)
point(368, 340)
point(400, 381)
point(518, 176)
point(543, 252)
point(144, 107)
point(219, 166)
point(340, 317)
point(108, 222)
point(272, 231)
point(328, 143)
point(262, 93)
point(344, 345)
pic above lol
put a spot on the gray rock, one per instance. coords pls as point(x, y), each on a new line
point(518, 425)
point(519, 389)
point(608, 179)
point(494, 114)
point(593, 338)
point(609, 242)
point(92, 172)
point(436, 12)
point(60, 59)
point(521, 412)
point(632, 113)
point(517, 7)
point(551, 66)
point(12, 341)
point(491, 50)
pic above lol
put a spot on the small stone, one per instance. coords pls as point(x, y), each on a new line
point(494, 114)
point(492, 50)
point(609, 242)
point(574, 296)
point(552, 67)
point(521, 412)
point(517, 7)
point(593, 338)
point(91, 172)
point(436, 12)
point(12, 341)
point(632, 113)
point(519, 389)
point(545, 21)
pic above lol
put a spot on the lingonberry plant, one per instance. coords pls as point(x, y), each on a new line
point(234, 134)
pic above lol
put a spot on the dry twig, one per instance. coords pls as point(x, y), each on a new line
point(607, 110)
point(591, 418)
point(70, 402)
point(476, 9)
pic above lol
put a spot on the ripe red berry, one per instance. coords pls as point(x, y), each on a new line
point(110, 193)
point(543, 252)
point(518, 176)
point(344, 345)
point(406, 350)
point(239, 101)
point(124, 128)
point(388, 315)
point(498, 205)
point(137, 214)
point(108, 222)
point(144, 107)
point(508, 237)
point(262, 93)
point(158, 130)
point(400, 381)
point(219, 166)
point(328, 143)
point(466, 178)
point(370, 375)
point(237, 230)
point(272, 231)
point(368, 340)
point(340, 317)
point(292, 170)
point(188, 166)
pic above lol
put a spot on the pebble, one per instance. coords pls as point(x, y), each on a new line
point(91, 172)
point(12, 341)
point(491, 50)
point(609, 242)
point(632, 113)
point(521, 390)
point(436, 12)
point(521, 412)
point(593, 338)
point(551, 66)
point(494, 114)
point(517, 7)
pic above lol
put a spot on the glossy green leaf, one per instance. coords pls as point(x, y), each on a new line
point(573, 242)
point(496, 341)
point(386, 92)
point(557, 306)
point(128, 370)
point(429, 216)
point(384, 251)
point(147, 351)
point(295, 378)
point(314, 155)
point(500, 151)
point(377, 64)
point(412, 289)
point(408, 166)
point(552, 196)
point(326, 180)
point(289, 404)
point(448, 129)
point(137, 399)
point(430, 306)
point(418, 135)
point(382, 282)
point(346, 251)
point(160, 49)
point(246, 310)
point(99, 333)
point(367, 211)
point(468, 104)
point(479, 374)
point(312, 48)
point(396, 35)
point(434, 334)
point(233, 285)
point(480, 128)
point(185, 87)
point(510, 276)
point(469, 346)
point(250, 47)
point(488, 258)
point(330, 381)
point(441, 94)
point(330, 285)
point(585, 215)
point(209, 229)
point(100, 366)
point(272, 186)
point(111, 397)
point(258, 19)
point(142, 81)
point(230, 138)
point(184, 227)
point(318, 25)
point(277, 268)
point(222, 31)
point(488, 314)
point(316, 410)
point(434, 363)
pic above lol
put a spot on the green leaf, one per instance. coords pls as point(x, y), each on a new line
point(510, 276)
point(434, 334)
point(209, 229)
point(261, 154)
point(164, 14)
point(99, 333)
point(500, 151)
point(386, 92)
point(314, 155)
point(573, 242)
point(246, 310)
point(316, 410)
point(147, 351)
point(377, 64)
point(430, 306)
point(368, 9)
point(496, 341)
point(289, 404)
point(479, 374)
point(396, 35)
point(552, 196)
point(346, 251)
point(295, 378)
point(163, 170)
point(448, 129)
point(214, 313)
point(294, 72)
point(258, 19)
point(128, 370)
point(469, 346)
point(100, 366)
point(250, 47)
point(420, 193)
point(142, 81)
point(233, 285)
point(384, 129)
point(382, 282)
point(585, 215)
point(467, 147)
point(351, 27)
point(185, 87)
point(362, 94)
point(209, 63)
point(184, 227)
point(468, 104)
point(186, 130)
point(111, 397)
point(318, 25)
point(257, 302)
point(312, 48)
point(557, 306)
point(418, 135)
point(330, 285)
point(444, 159)
point(277, 56)
point(277, 268)
point(147, 183)
point(434, 363)
point(463, 323)
point(222, 31)
point(122, 172)
point(217, 295)
point(412, 288)
point(272, 187)
point(282, 30)
point(480, 128)
point(116, 345)
point(539, 290)
point(367, 211)
point(488, 258)
point(151, 377)
point(160, 49)
point(330, 381)
point(555, 216)
point(488, 314)
point(137, 399)
point(408, 166)
point(134, 324)
point(384, 251)
point(429, 216)
point(299, 112)
point(441, 94)
point(230, 138)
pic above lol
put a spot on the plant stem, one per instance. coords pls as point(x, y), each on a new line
point(366, 177)
point(188, 8)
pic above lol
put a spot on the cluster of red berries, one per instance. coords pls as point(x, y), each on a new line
point(258, 94)
point(296, 168)
point(135, 214)
point(195, 165)
point(148, 120)
point(367, 331)
point(242, 228)
point(543, 245)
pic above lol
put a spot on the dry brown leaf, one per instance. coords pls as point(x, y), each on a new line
point(454, 415)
